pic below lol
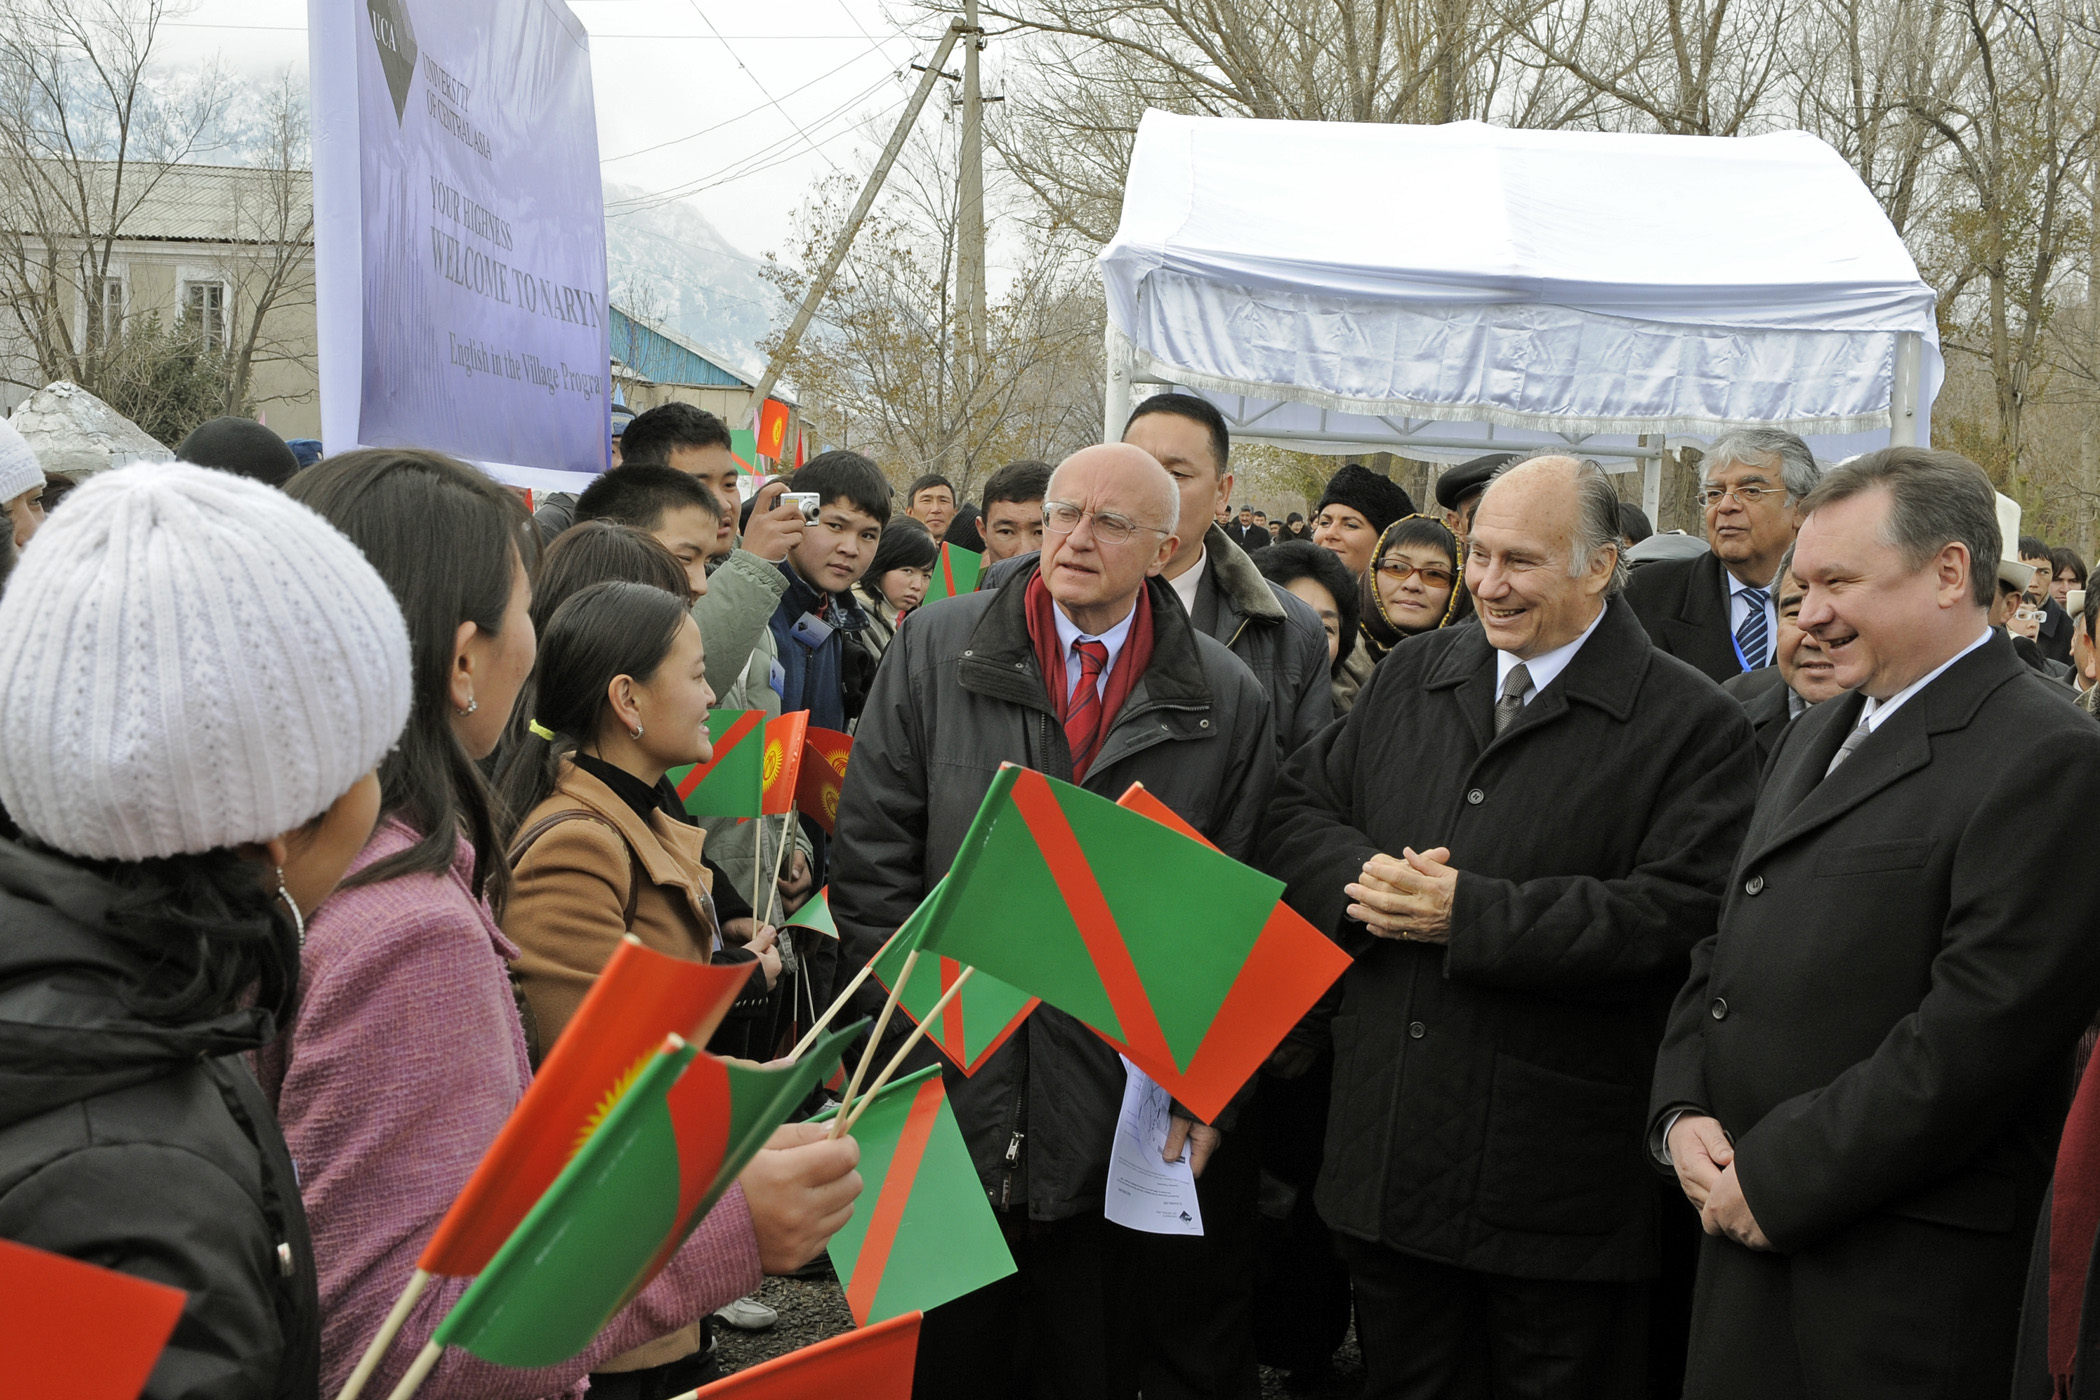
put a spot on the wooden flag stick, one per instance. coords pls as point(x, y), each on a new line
point(933, 1014)
point(787, 843)
point(838, 1003)
point(425, 1359)
point(911, 959)
point(384, 1338)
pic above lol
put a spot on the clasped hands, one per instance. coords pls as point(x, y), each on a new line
point(1408, 899)
point(1704, 1159)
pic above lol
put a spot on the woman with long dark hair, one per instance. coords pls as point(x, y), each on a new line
point(406, 1052)
point(199, 676)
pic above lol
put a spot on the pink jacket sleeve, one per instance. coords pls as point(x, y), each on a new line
point(402, 1062)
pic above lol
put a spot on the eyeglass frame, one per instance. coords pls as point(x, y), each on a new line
point(1711, 496)
point(1385, 570)
point(1109, 528)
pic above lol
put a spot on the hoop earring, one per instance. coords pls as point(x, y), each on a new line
point(472, 706)
point(635, 733)
point(298, 919)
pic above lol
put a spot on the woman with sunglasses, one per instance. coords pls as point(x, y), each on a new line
point(1414, 584)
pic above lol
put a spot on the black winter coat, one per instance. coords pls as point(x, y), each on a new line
point(147, 1149)
point(1884, 1023)
point(1684, 605)
point(959, 693)
point(1489, 1097)
point(1767, 703)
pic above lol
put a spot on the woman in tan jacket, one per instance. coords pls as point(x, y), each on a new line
point(604, 848)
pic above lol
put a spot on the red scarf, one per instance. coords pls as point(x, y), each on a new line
point(2074, 1218)
point(1131, 662)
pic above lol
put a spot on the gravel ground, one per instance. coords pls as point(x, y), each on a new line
point(811, 1310)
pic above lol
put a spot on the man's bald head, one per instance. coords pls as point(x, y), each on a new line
point(1110, 518)
point(1133, 474)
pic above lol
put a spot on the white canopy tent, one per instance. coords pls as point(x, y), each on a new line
point(1445, 291)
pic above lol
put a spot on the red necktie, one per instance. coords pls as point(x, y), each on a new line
point(1083, 709)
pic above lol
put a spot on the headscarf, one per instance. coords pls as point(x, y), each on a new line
point(1380, 633)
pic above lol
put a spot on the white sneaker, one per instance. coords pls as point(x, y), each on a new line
point(747, 1315)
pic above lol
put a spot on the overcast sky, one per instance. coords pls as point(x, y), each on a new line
point(771, 93)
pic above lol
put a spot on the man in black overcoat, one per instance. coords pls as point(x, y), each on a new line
point(1865, 1075)
point(1520, 832)
point(1716, 610)
point(1799, 677)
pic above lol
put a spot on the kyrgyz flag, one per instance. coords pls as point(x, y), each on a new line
point(984, 1013)
point(823, 775)
point(666, 1153)
point(732, 783)
point(72, 1329)
point(783, 761)
point(743, 445)
point(954, 573)
point(815, 913)
point(868, 1363)
point(641, 997)
point(1179, 956)
point(922, 1232)
point(772, 429)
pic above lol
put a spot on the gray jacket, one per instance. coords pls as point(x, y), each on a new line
point(1265, 625)
point(959, 693)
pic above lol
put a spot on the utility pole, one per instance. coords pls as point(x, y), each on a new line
point(821, 283)
point(969, 252)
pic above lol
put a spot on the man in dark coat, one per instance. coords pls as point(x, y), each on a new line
point(1520, 832)
point(962, 690)
point(1865, 1074)
point(1800, 675)
point(1274, 632)
point(1715, 610)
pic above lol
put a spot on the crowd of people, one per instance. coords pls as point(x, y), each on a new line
point(1720, 991)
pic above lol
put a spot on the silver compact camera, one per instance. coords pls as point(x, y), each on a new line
point(804, 501)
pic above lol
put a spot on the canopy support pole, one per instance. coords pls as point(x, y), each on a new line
point(1652, 486)
point(1903, 389)
point(1117, 402)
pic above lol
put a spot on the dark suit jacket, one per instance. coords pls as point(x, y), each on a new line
point(2054, 634)
point(1764, 696)
point(1488, 1097)
point(1684, 605)
point(1884, 1025)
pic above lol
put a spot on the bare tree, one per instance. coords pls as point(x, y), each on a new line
point(88, 130)
point(268, 262)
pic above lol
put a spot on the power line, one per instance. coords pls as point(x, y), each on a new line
point(730, 121)
point(755, 82)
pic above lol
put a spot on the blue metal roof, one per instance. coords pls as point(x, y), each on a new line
point(658, 355)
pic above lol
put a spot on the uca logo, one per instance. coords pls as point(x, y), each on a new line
point(396, 39)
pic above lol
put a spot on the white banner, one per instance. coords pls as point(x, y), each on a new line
point(459, 232)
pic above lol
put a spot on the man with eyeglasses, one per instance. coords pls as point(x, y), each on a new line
point(1715, 611)
point(1086, 668)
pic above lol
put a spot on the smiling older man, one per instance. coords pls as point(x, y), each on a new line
point(1864, 1076)
point(1085, 668)
point(1520, 832)
point(1716, 610)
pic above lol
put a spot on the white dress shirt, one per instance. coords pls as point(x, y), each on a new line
point(1545, 669)
point(1739, 609)
point(1189, 580)
point(1068, 632)
point(1875, 713)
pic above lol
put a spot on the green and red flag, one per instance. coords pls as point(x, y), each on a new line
point(868, 1363)
point(618, 1212)
point(743, 445)
point(823, 775)
point(982, 1015)
point(1185, 960)
point(732, 783)
point(641, 997)
point(815, 913)
point(74, 1329)
point(783, 761)
point(955, 573)
point(922, 1232)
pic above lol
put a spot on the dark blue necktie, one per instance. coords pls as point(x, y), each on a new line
point(1751, 637)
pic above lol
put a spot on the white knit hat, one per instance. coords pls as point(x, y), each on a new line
point(19, 469)
point(188, 660)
